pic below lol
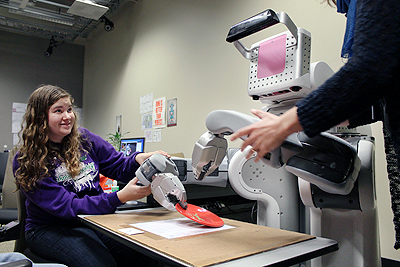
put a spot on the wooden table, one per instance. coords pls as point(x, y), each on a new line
point(244, 245)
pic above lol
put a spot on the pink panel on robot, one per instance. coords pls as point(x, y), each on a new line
point(271, 57)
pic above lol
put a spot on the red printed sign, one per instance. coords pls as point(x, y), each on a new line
point(159, 112)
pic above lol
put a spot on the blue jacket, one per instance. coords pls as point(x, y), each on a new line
point(371, 75)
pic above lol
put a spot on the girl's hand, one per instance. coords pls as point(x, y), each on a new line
point(141, 157)
point(132, 191)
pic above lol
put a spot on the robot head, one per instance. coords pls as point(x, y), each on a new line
point(280, 72)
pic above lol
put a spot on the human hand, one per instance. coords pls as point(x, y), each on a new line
point(268, 133)
point(141, 157)
point(343, 124)
point(132, 191)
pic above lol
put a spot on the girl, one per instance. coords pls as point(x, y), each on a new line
point(57, 168)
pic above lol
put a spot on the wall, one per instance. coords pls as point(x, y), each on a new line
point(23, 67)
point(177, 49)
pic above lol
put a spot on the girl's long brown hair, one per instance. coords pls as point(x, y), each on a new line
point(35, 149)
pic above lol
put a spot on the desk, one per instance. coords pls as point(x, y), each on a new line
point(244, 245)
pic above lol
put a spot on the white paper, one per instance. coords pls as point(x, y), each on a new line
point(19, 107)
point(18, 111)
point(79, 114)
point(175, 228)
point(147, 120)
point(16, 121)
point(156, 136)
point(148, 134)
point(146, 103)
point(131, 231)
point(15, 138)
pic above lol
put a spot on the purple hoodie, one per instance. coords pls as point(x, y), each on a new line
point(60, 198)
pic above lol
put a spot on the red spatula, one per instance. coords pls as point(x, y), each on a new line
point(200, 215)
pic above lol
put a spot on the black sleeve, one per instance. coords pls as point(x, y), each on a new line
point(370, 115)
point(371, 73)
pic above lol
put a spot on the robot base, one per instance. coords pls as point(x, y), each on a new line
point(356, 230)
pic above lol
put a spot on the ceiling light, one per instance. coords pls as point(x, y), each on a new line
point(87, 9)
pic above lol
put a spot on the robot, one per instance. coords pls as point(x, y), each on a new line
point(332, 173)
point(324, 186)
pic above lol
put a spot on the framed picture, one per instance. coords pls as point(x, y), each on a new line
point(171, 112)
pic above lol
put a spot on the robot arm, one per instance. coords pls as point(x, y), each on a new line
point(161, 173)
point(326, 160)
point(211, 148)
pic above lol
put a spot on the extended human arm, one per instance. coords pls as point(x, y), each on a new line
point(51, 201)
point(140, 158)
point(325, 160)
point(371, 74)
point(113, 164)
point(211, 148)
point(268, 133)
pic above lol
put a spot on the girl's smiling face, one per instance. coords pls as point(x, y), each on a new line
point(61, 119)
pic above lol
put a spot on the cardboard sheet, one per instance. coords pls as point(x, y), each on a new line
point(206, 249)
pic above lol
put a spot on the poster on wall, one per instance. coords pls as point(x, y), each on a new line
point(146, 103)
point(156, 135)
point(159, 112)
point(18, 111)
point(147, 121)
point(171, 112)
point(79, 114)
point(148, 135)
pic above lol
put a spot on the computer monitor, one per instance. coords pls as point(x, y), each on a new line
point(130, 145)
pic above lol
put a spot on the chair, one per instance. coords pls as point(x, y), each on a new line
point(20, 244)
point(13, 214)
point(3, 164)
point(9, 210)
